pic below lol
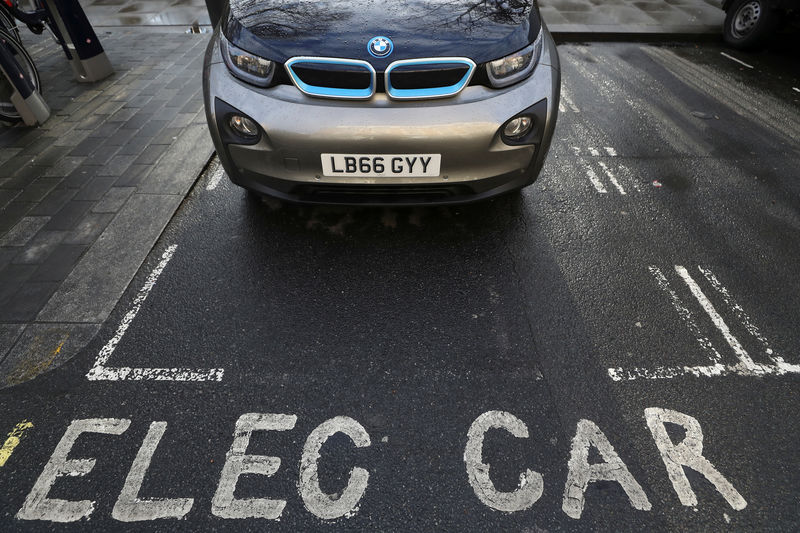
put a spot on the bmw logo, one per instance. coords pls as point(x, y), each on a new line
point(380, 46)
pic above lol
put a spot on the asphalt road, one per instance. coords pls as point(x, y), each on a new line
point(637, 306)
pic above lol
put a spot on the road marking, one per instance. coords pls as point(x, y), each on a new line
point(686, 315)
point(216, 176)
point(594, 151)
point(237, 462)
point(561, 108)
point(795, 89)
point(611, 177)
point(737, 60)
point(581, 473)
point(745, 366)
point(345, 503)
point(741, 315)
point(131, 508)
point(720, 324)
point(689, 452)
point(595, 180)
point(531, 484)
point(101, 372)
point(37, 505)
point(13, 440)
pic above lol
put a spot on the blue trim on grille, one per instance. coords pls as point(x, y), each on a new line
point(432, 92)
point(332, 92)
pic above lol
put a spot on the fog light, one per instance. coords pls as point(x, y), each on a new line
point(517, 128)
point(243, 126)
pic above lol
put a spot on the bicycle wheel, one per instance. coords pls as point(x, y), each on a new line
point(9, 113)
point(7, 22)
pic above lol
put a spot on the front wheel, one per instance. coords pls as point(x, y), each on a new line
point(748, 23)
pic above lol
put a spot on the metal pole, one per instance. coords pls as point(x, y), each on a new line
point(89, 61)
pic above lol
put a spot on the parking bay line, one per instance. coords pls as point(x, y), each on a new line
point(611, 177)
point(101, 372)
point(598, 185)
point(737, 60)
point(746, 365)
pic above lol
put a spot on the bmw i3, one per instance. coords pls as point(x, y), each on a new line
point(363, 102)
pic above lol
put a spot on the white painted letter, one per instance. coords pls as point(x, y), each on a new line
point(323, 505)
point(688, 453)
point(37, 505)
point(129, 508)
point(581, 473)
point(237, 463)
point(531, 484)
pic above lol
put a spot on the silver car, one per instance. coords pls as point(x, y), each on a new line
point(362, 102)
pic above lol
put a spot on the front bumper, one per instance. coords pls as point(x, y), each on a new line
point(464, 129)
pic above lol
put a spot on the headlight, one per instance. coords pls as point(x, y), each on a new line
point(246, 66)
point(515, 67)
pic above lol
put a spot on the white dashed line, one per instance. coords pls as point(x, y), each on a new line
point(610, 151)
point(594, 151)
point(595, 181)
point(611, 177)
point(795, 89)
point(737, 60)
point(101, 372)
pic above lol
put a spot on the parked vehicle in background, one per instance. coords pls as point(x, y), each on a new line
point(749, 23)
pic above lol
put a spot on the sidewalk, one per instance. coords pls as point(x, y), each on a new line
point(633, 17)
point(84, 197)
point(563, 17)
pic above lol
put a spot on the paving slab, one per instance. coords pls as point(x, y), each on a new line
point(85, 196)
point(93, 288)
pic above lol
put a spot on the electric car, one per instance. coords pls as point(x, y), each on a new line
point(364, 102)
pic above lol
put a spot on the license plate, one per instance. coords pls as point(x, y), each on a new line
point(380, 166)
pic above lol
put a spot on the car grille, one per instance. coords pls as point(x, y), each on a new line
point(411, 79)
point(332, 77)
point(414, 79)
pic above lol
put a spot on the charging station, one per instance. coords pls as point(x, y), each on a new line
point(81, 45)
point(24, 97)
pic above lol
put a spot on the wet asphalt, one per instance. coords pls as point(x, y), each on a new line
point(415, 321)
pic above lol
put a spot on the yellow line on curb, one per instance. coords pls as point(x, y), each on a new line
point(13, 440)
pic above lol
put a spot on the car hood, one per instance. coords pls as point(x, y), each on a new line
point(482, 30)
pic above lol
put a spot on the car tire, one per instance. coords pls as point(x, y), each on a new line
point(748, 23)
